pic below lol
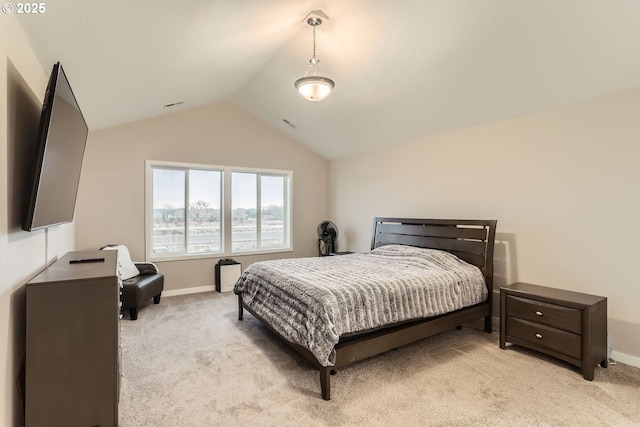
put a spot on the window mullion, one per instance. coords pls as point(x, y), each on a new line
point(285, 210)
point(228, 215)
point(187, 215)
point(258, 211)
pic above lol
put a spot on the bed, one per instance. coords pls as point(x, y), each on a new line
point(421, 277)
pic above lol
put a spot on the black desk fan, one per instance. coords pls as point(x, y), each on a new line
point(327, 235)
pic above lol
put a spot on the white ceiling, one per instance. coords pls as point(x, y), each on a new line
point(403, 69)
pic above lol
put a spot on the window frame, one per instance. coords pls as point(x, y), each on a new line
point(226, 210)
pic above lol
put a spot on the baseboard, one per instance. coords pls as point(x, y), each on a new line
point(185, 291)
point(627, 359)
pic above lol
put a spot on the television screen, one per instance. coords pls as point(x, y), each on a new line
point(56, 169)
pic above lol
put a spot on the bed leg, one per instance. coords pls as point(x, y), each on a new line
point(240, 308)
point(488, 324)
point(325, 382)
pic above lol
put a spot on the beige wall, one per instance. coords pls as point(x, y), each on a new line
point(22, 255)
point(562, 184)
point(111, 198)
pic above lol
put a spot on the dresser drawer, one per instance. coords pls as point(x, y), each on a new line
point(539, 335)
point(557, 316)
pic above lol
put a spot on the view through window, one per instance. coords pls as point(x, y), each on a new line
point(190, 213)
point(254, 228)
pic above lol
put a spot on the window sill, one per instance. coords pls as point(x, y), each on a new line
point(191, 257)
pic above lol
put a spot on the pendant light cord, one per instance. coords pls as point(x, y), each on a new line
point(314, 42)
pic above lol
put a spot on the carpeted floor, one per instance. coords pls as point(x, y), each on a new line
point(189, 362)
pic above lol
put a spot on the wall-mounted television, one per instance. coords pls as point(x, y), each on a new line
point(62, 136)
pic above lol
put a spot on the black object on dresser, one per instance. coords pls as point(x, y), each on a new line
point(73, 353)
point(570, 326)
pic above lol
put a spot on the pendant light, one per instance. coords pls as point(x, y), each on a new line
point(313, 86)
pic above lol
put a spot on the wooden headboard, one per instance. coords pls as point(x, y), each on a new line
point(470, 240)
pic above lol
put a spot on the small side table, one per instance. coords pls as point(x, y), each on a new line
point(570, 326)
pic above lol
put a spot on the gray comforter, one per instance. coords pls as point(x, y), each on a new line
point(314, 301)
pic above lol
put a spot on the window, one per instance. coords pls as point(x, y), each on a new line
point(191, 208)
point(258, 210)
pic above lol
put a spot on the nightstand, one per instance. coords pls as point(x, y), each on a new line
point(570, 326)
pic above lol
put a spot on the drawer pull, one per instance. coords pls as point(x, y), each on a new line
point(538, 313)
point(539, 336)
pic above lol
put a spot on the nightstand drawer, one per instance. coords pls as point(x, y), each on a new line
point(544, 336)
point(557, 316)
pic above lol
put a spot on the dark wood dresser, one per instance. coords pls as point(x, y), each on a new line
point(570, 326)
point(73, 342)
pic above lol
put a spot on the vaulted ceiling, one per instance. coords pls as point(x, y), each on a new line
point(404, 69)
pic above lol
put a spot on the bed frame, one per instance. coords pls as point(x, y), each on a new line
point(470, 240)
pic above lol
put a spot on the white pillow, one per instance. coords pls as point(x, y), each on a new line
point(126, 267)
